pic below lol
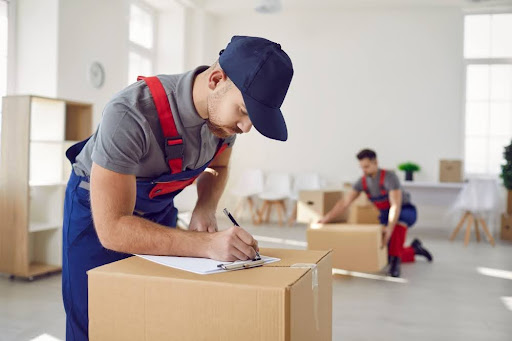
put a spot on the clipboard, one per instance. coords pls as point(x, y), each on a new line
point(204, 266)
point(240, 265)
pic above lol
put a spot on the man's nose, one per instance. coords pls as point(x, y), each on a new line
point(245, 124)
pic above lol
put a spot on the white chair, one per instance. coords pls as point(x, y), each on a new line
point(477, 198)
point(302, 182)
point(249, 184)
point(275, 191)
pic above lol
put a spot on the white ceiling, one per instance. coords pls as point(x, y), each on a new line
point(223, 6)
point(229, 6)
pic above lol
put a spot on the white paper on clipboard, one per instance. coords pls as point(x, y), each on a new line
point(202, 266)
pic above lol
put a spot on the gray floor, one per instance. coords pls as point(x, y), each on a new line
point(446, 300)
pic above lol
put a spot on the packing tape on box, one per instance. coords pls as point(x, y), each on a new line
point(314, 287)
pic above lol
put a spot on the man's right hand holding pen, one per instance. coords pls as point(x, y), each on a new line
point(232, 244)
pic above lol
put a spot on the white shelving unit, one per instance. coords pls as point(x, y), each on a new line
point(36, 132)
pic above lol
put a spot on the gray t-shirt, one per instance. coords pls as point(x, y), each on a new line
point(391, 183)
point(129, 138)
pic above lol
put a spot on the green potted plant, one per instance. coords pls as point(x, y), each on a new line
point(409, 168)
point(506, 175)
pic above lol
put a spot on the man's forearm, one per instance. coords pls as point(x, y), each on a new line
point(394, 214)
point(210, 186)
point(341, 206)
point(132, 234)
point(338, 209)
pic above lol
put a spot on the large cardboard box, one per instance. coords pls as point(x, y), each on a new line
point(355, 247)
point(450, 171)
point(362, 198)
point(506, 227)
point(314, 204)
point(363, 214)
point(509, 202)
point(135, 299)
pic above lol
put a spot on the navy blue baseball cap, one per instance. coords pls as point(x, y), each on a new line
point(262, 72)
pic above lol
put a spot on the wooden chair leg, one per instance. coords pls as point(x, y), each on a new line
point(293, 216)
point(251, 208)
point(283, 208)
point(239, 207)
point(459, 225)
point(279, 213)
point(269, 209)
point(260, 212)
point(486, 231)
point(468, 229)
point(477, 232)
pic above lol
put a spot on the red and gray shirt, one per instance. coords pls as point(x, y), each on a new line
point(129, 139)
point(391, 183)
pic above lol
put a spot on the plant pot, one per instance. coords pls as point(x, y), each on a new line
point(409, 175)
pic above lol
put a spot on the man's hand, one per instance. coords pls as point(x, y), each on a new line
point(323, 220)
point(203, 221)
point(232, 244)
point(386, 236)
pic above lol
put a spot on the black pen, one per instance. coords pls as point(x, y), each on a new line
point(226, 212)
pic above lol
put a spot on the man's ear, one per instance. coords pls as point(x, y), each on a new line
point(215, 77)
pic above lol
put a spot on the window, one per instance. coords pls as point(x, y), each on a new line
point(142, 41)
point(488, 59)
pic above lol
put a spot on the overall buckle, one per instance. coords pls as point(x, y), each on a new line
point(174, 148)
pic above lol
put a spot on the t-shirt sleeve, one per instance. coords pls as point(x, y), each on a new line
point(230, 141)
point(358, 185)
point(122, 140)
point(391, 181)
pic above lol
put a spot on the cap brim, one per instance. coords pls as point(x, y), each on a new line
point(267, 120)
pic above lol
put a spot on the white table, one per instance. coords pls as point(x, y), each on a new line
point(433, 193)
point(433, 200)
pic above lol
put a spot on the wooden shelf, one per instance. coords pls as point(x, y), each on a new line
point(47, 184)
point(78, 121)
point(37, 269)
point(43, 226)
point(36, 131)
point(47, 141)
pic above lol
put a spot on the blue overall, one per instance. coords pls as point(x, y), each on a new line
point(82, 249)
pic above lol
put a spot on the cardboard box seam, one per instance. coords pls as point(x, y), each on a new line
point(305, 273)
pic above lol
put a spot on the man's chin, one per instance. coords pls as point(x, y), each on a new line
point(221, 133)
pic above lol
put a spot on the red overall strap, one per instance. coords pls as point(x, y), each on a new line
point(381, 182)
point(169, 187)
point(221, 149)
point(173, 141)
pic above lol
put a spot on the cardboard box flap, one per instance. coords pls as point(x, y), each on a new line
point(139, 267)
point(290, 257)
point(360, 228)
point(280, 278)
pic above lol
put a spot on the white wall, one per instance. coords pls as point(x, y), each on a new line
point(171, 41)
point(36, 47)
point(199, 25)
point(92, 30)
point(387, 79)
point(97, 30)
point(57, 40)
